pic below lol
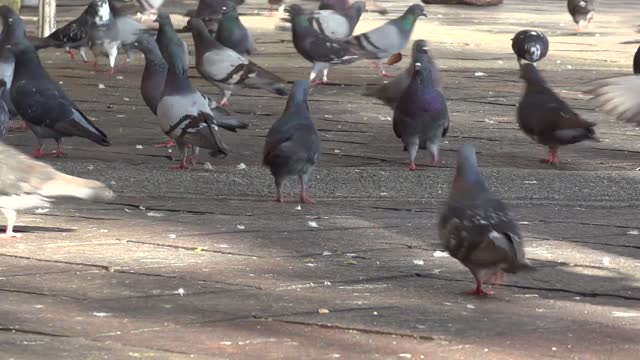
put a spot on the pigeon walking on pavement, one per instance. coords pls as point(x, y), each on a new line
point(388, 39)
point(476, 228)
point(391, 91)
point(316, 47)
point(26, 183)
point(530, 45)
point(582, 12)
point(546, 118)
point(421, 118)
point(233, 34)
point(227, 69)
point(292, 147)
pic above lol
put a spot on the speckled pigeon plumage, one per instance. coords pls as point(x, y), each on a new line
point(292, 146)
point(476, 228)
point(391, 91)
point(390, 38)
point(546, 118)
point(227, 69)
point(233, 34)
point(421, 117)
point(530, 45)
point(582, 11)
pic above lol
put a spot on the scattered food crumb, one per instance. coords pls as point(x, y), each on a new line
point(313, 224)
point(101, 314)
point(624, 314)
point(351, 262)
point(154, 214)
point(41, 211)
point(406, 356)
point(326, 253)
point(172, 236)
point(207, 165)
point(101, 86)
point(200, 249)
point(418, 262)
point(180, 292)
point(323, 311)
point(240, 226)
point(605, 261)
point(142, 207)
point(479, 73)
point(241, 166)
point(138, 146)
point(439, 253)
point(470, 306)
point(632, 232)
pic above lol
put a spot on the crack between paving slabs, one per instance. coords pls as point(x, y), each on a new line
point(31, 332)
point(586, 242)
point(192, 248)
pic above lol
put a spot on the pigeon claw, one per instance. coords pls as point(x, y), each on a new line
point(319, 82)
point(182, 166)
point(9, 235)
point(305, 199)
point(412, 167)
point(168, 144)
point(71, 55)
point(479, 292)
point(279, 199)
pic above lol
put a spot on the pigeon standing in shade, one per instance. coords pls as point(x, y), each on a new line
point(338, 24)
point(544, 117)
point(421, 118)
point(582, 11)
point(226, 68)
point(391, 91)
point(232, 33)
point(26, 183)
point(388, 39)
point(476, 228)
point(183, 112)
point(636, 62)
point(40, 101)
point(618, 96)
point(530, 45)
point(292, 147)
point(316, 47)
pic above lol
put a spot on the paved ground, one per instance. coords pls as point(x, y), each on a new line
point(202, 265)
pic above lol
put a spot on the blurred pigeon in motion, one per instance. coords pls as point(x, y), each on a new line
point(582, 11)
point(544, 117)
point(12, 32)
point(102, 35)
point(149, 7)
point(316, 47)
point(476, 228)
point(40, 101)
point(421, 118)
point(128, 29)
point(232, 33)
point(183, 112)
point(5, 117)
point(618, 96)
point(636, 62)
point(390, 38)
point(338, 24)
point(391, 91)
point(292, 147)
point(26, 183)
point(530, 45)
point(227, 69)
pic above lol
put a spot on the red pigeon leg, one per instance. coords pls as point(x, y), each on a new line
point(39, 153)
point(304, 197)
point(478, 291)
point(11, 221)
point(59, 153)
point(73, 57)
point(182, 166)
point(168, 144)
point(412, 166)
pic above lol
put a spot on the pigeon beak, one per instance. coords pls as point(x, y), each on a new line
point(424, 14)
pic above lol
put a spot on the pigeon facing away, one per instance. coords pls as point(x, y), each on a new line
point(390, 38)
point(292, 147)
point(232, 33)
point(476, 228)
point(530, 45)
point(391, 91)
point(316, 47)
point(636, 62)
point(421, 118)
point(582, 11)
point(618, 96)
point(544, 117)
point(26, 183)
point(227, 69)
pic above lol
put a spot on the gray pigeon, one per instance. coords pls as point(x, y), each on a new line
point(544, 117)
point(11, 33)
point(233, 34)
point(26, 183)
point(5, 117)
point(164, 40)
point(227, 69)
point(391, 91)
point(421, 118)
point(530, 45)
point(388, 39)
point(337, 24)
point(183, 112)
point(292, 147)
point(40, 101)
point(582, 11)
point(316, 47)
point(102, 35)
point(618, 96)
point(476, 228)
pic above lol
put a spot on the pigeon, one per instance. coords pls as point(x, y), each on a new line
point(128, 29)
point(164, 38)
point(183, 112)
point(232, 33)
point(5, 116)
point(341, 6)
point(544, 117)
point(582, 11)
point(636, 62)
point(26, 183)
point(476, 229)
point(316, 47)
point(391, 91)
point(618, 96)
point(11, 32)
point(530, 45)
point(421, 118)
point(336, 24)
point(226, 68)
point(40, 101)
point(292, 146)
point(102, 34)
point(388, 39)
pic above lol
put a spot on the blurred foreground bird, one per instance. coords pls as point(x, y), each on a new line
point(476, 229)
point(530, 45)
point(582, 11)
point(618, 96)
point(26, 183)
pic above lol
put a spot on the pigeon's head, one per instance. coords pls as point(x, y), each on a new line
point(103, 12)
point(8, 14)
point(229, 9)
point(419, 47)
point(415, 11)
point(163, 19)
point(295, 10)
point(12, 25)
point(144, 43)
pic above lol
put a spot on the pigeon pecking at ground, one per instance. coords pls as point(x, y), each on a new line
point(421, 118)
point(27, 183)
point(388, 39)
point(233, 34)
point(544, 117)
point(227, 69)
point(582, 11)
point(292, 147)
point(316, 47)
point(476, 229)
point(391, 91)
point(530, 45)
